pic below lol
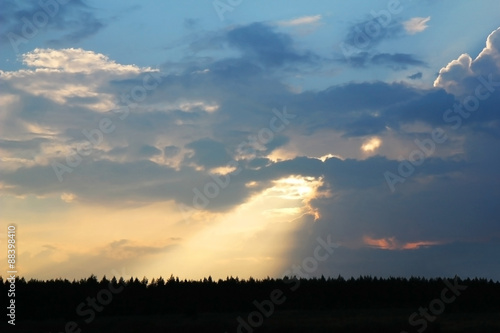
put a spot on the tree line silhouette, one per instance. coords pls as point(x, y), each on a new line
point(58, 299)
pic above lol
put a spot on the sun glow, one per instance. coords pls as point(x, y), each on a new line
point(294, 187)
point(296, 190)
point(257, 232)
point(371, 145)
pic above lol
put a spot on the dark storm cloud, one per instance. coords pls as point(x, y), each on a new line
point(465, 259)
point(84, 25)
point(428, 107)
point(368, 34)
point(267, 46)
point(374, 95)
point(359, 47)
point(441, 211)
point(236, 69)
point(358, 109)
point(171, 151)
point(395, 61)
point(76, 20)
point(208, 153)
point(147, 151)
point(415, 76)
point(440, 204)
point(261, 46)
point(94, 181)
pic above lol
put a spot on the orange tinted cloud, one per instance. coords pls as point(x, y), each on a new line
point(416, 245)
point(391, 243)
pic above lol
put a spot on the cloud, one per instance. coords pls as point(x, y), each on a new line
point(372, 144)
point(171, 151)
point(368, 34)
point(460, 76)
point(395, 61)
point(103, 259)
point(450, 77)
point(416, 24)
point(384, 221)
point(63, 76)
point(22, 145)
point(342, 138)
point(199, 141)
point(75, 61)
point(124, 248)
point(302, 26)
point(304, 20)
point(458, 258)
point(390, 243)
point(270, 48)
point(87, 25)
point(341, 108)
point(72, 21)
point(208, 153)
point(171, 141)
point(147, 151)
point(397, 58)
point(415, 76)
point(68, 197)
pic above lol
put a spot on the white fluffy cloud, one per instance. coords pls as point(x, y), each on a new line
point(304, 20)
point(70, 77)
point(416, 24)
point(303, 25)
point(76, 61)
point(454, 77)
point(45, 107)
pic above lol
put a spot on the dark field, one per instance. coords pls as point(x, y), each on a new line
point(352, 321)
point(363, 305)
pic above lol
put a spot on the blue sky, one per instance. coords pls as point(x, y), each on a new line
point(224, 137)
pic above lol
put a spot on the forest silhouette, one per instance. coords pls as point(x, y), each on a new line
point(169, 305)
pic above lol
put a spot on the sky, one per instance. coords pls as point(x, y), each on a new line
point(251, 138)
